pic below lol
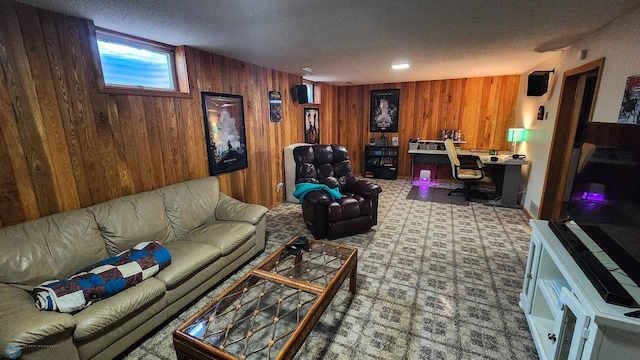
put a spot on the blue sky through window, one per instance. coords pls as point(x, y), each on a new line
point(131, 66)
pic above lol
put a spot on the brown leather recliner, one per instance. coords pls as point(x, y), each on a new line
point(355, 212)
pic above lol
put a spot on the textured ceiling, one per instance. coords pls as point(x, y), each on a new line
point(356, 41)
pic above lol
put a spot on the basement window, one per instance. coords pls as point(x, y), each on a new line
point(313, 91)
point(131, 65)
point(309, 86)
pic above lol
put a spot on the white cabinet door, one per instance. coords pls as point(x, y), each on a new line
point(571, 329)
point(530, 275)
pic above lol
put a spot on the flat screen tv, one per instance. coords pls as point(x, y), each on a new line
point(605, 194)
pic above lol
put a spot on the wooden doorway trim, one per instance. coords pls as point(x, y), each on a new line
point(571, 96)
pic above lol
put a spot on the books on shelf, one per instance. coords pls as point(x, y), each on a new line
point(381, 161)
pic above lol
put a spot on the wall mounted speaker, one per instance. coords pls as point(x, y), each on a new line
point(538, 83)
point(301, 94)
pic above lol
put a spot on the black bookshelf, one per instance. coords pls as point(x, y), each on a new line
point(381, 162)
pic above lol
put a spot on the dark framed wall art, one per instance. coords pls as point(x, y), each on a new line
point(385, 106)
point(630, 107)
point(311, 120)
point(225, 132)
point(275, 106)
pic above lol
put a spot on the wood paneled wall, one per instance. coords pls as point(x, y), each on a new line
point(64, 145)
point(482, 108)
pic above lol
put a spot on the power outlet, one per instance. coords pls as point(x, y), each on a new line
point(279, 186)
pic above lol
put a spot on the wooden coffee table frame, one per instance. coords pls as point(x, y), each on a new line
point(189, 347)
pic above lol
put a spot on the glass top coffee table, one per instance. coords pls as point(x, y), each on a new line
point(269, 313)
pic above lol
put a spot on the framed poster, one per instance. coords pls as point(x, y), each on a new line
point(225, 132)
point(629, 109)
point(385, 105)
point(311, 120)
point(275, 106)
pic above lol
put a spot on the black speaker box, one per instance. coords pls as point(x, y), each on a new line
point(538, 83)
point(301, 94)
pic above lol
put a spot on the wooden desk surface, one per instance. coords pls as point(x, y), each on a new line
point(504, 157)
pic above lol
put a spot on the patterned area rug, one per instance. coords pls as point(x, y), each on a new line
point(435, 281)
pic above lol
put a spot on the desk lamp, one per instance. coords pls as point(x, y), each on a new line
point(515, 135)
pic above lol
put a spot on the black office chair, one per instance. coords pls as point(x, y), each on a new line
point(468, 173)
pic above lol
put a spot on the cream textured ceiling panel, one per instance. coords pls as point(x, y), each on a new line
point(356, 41)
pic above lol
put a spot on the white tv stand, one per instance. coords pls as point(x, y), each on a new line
point(573, 323)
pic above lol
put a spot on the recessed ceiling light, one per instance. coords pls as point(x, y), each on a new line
point(399, 66)
point(307, 69)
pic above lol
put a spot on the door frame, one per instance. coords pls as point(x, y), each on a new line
point(564, 132)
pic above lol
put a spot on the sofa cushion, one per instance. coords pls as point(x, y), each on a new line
point(130, 220)
point(225, 235)
point(103, 279)
point(52, 247)
point(187, 258)
point(107, 312)
point(190, 204)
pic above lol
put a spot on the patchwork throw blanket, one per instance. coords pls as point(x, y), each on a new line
point(103, 279)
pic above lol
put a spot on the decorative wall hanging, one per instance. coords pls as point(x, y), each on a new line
point(275, 106)
point(629, 109)
point(225, 132)
point(311, 120)
point(382, 141)
point(385, 106)
point(540, 112)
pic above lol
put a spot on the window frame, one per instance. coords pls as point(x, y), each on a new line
point(178, 56)
point(315, 91)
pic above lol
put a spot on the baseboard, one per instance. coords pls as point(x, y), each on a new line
point(527, 213)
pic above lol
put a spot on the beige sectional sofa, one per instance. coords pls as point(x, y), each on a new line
point(208, 234)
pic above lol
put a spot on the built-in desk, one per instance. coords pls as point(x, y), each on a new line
point(507, 185)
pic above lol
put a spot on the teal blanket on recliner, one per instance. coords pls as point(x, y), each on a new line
point(303, 188)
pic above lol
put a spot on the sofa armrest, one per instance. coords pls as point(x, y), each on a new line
point(28, 324)
point(229, 208)
point(363, 188)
